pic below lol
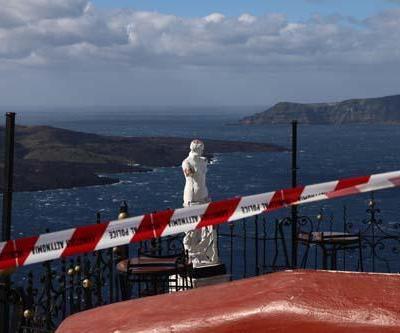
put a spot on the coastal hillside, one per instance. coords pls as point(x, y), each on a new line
point(48, 157)
point(383, 110)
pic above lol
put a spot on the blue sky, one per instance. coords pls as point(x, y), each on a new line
point(294, 9)
point(209, 52)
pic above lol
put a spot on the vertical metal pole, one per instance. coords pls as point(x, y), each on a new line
point(123, 251)
point(256, 246)
point(244, 248)
point(5, 280)
point(294, 184)
point(231, 226)
point(8, 175)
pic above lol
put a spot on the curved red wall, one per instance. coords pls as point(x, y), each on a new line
point(290, 302)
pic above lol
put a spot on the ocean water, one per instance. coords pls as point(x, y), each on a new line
point(325, 153)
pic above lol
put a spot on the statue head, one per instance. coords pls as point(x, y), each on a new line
point(197, 146)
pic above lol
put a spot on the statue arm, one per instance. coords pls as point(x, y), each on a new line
point(187, 169)
point(188, 172)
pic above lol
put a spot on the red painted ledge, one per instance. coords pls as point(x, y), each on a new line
point(290, 302)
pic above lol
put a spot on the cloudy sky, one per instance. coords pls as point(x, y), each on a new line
point(196, 52)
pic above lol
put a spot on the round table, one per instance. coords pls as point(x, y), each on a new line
point(154, 272)
point(148, 265)
point(330, 242)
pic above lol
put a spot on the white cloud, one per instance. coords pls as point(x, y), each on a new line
point(74, 31)
point(247, 18)
point(214, 18)
point(70, 35)
point(20, 12)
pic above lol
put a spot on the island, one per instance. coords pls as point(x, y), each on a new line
point(382, 110)
point(50, 158)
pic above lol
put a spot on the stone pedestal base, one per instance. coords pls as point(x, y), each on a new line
point(209, 274)
point(217, 279)
point(203, 276)
point(210, 270)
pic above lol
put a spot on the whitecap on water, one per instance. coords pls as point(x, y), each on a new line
point(116, 184)
point(214, 161)
point(125, 182)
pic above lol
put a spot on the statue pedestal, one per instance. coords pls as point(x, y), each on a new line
point(201, 246)
point(207, 275)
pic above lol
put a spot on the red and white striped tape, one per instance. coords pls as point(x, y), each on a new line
point(30, 250)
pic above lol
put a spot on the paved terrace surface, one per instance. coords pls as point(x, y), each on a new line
point(290, 301)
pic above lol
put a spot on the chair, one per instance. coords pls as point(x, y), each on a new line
point(330, 243)
point(153, 273)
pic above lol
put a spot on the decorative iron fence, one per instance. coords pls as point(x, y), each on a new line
point(47, 293)
point(261, 245)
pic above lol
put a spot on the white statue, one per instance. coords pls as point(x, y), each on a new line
point(200, 244)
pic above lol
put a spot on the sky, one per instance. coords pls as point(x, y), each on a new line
point(293, 9)
point(196, 53)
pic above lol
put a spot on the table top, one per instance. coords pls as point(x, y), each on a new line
point(149, 265)
point(328, 237)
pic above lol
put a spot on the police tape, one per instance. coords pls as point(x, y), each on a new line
point(61, 244)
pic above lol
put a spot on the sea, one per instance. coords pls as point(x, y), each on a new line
point(326, 152)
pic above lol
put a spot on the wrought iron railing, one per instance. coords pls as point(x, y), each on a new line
point(41, 297)
point(262, 245)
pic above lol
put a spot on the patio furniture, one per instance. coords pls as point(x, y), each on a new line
point(330, 243)
point(153, 275)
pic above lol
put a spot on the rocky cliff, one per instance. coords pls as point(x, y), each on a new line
point(383, 110)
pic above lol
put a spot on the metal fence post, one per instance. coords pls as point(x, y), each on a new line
point(5, 280)
point(294, 184)
point(257, 268)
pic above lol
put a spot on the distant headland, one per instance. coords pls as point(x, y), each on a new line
point(382, 110)
point(50, 158)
